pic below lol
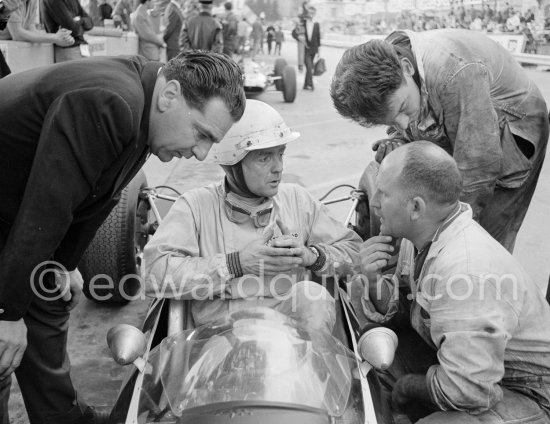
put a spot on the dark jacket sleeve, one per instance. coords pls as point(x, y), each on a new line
point(63, 17)
point(172, 25)
point(83, 133)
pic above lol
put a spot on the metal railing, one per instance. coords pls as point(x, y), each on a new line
point(533, 59)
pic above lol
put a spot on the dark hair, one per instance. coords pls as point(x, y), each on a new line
point(363, 81)
point(228, 5)
point(205, 75)
point(431, 173)
point(143, 1)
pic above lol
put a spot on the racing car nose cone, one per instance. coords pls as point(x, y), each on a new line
point(377, 347)
point(126, 343)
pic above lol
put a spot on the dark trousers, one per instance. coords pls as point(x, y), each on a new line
point(308, 61)
point(43, 375)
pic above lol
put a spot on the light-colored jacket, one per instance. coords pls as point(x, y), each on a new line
point(487, 319)
point(186, 258)
point(149, 41)
point(474, 96)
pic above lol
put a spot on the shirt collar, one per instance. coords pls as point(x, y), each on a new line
point(149, 76)
point(450, 228)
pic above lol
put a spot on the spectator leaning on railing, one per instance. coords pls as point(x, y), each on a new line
point(21, 27)
point(71, 15)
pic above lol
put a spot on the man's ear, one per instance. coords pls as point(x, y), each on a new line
point(408, 67)
point(169, 95)
point(417, 208)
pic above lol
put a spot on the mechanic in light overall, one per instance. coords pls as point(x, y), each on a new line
point(250, 239)
point(464, 92)
point(473, 328)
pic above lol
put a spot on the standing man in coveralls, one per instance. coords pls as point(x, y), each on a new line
point(68, 146)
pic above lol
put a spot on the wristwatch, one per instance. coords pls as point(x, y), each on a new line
point(315, 252)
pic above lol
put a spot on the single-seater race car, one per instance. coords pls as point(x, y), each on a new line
point(260, 77)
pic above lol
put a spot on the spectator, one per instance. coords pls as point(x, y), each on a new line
point(257, 36)
point(67, 14)
point(299, 34)
point(270, 31)
point(174, 20)
point(6, 10)
point(122, 12)
point(150, 42)
point(279, 38)
point(230, 25)
point(105, 11)
point(242, 34)
point(202, 32)
point(312, 45)
point(21, 26)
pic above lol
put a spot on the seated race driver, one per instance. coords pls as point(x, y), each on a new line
point(250, 240)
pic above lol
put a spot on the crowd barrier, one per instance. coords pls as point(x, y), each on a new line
point(514, 43)
point(21, 55)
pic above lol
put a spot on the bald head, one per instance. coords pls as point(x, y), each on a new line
point(425, 170)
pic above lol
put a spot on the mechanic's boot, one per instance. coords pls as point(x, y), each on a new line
point(97, 415)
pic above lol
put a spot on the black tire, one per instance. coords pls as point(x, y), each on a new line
point(115, 249)
point(289, 84)
point(278, 72)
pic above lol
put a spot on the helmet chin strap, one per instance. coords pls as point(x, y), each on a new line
point(235, 182)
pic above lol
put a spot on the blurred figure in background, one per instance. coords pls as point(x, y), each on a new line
point(270, 31)
point(173, 16)
point(230, 25)
point(21, 26)
point(122, 12)
point(312, 45)
point(299, 34)
point(257, 36)
point(242, 34)
point(105, 11)
point(203, 32)
point(279, 38)
point(150, 42)
point(71, 15)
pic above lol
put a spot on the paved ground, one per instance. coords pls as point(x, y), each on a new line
point(331, 151)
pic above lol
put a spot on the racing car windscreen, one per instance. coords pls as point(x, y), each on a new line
point(255, 355)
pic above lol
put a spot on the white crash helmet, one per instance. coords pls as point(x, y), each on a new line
point(261, 127)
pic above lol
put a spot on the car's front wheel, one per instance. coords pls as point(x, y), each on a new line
point(111, 265)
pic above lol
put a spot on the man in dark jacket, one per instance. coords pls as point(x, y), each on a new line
point(67, 14)
point(312, 34)
point(230, 23)
point(174, 18)
point(202, 32)
point(68, 146)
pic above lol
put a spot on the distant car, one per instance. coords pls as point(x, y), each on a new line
point(257, 78)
